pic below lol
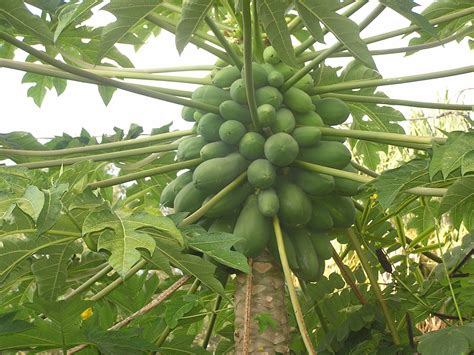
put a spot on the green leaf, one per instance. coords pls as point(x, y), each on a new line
point(177, 308)
point(31, 202)
point(460, 195)
point(16, 13)
point(52, 207)
point(345, 30)
point(41, 86)
point(42, 335)
point(392, 182)
point(120, 342)
point(467, 163)
point(128, 14)
point(10, 325)
point(448, 341)
point(121, 236)
point(192, 14)
point(311, 22)
point(218, 246)
point(272, 15)
point(71, 13)
point(50, 270)
point(106, 93)
point(405, 8)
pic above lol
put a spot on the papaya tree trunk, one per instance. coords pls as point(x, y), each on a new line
point(260, 297)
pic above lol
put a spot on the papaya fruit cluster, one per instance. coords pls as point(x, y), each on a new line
point(307, 203)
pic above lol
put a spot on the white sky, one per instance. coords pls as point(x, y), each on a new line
point(81, 106)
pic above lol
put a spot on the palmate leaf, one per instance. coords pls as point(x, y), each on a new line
point(42, 336)
point(310, 21)
point(31, 202)
point(459, 200)
point(128, 14)
point(52, 207)
point(16, 13)
point(71, 13)
point(50, 270)
point(448, 341)
point(120, 342)
point(345, 30)
point(192, 14)
point(10, 325)
point(272, 16)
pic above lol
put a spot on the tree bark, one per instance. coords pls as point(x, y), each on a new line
point(262, 292)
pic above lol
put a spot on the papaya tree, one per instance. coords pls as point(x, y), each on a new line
point(295, 214)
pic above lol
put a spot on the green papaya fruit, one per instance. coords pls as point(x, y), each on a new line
point(333, 111)
point(189, 199)
point(268, 202)
point(266, 115)
point(259, 75)
point(321, 244)
point(224, 224)
point(270, 55)
point(297, 100)
point(347, 187)
point(238, 92)
point(284, 121)
point(268, 95)
point(208, 126)
point(313, 183)
point(281, 149)
point(189, 148)
point(251, 145)
point(289, 250)
point(261, 174)
point(231, 110)
point(215, 150)
point(320, 218)
point(210, 95)
point(307, 258)
point(187, 114)
point(309, 118)
point(226, 76)
point(231, 201)
point(306, 136)
point(231, 132)
point(326, 153)
point(295, 206)
point(275, 79)
point(341, 208)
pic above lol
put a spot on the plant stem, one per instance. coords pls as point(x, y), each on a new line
point(225, 44)
point(100, 157)
point(257, 35)
point(422, 191)
point(89, 282)
point(117, 282)
point(335, 47)
point(212, 321)
point(146, 76)
point(375, 286)
point(311, 40)
point(53, 72)
point(145, 173)
point(167, 26)
point(176, 69)
point(106, 81)
point(399, 102)
point(215, 199)
point(248, 74)
point(358, 84)
point(364, 170)
point(380, 136)
point(96, 147)
point(347, 278)
point(291, 288)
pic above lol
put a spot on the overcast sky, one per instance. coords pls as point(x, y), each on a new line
point(81, 106)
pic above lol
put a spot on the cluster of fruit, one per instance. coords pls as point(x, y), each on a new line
point(308, 204)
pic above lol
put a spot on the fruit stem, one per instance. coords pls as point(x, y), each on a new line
point(145, 173)
point(106, 81)
point(380, 136)
point(375, 286)
point(212, 321)
point(177, 69)
point(311, 40)
point(422, 191)
point(399, 102)
point(248, 74)
point(363, 169)
point(359, 84)
point(215, 199)
point(291, 288)
point(145, 76)
point(325, 54)
point(96, 147)
point(100, 157)
point(224, 42)
point(51, 71)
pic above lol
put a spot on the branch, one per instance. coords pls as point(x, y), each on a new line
point(346, 277)
point(230, 51)
point(90, 282)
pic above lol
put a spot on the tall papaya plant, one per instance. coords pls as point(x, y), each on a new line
point(227, 236)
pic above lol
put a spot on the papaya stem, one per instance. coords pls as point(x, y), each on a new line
point(224, 42)
point(53, 72)
point(291, 288)
point(375, 286)
point(359, 84)
point(215, 199)
point(156, 77)
point(332, 49)
point(145, 173)
point(177, 69)
point(96, 147)
point(248, 74)
point(311, 40)
point(400, 102)
point(257, 35)
point(89, 282)
point(363, 169)
point(100, 157)
point(106, 81)
point(422, 191)
point(212, 321)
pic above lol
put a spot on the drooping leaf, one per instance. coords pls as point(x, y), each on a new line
point(128, 14)
point(192, 14)
point(448, 341)
point(311, 22)
point(345, 30)
point(272, 15)
point(31, 202)
point(70, 13)
point(177, 308)
point(17, 14)
point(405, 8)
point(51, 208)
point(106, 93)
point(41, 86)
point(217, 246)
point(460, 196)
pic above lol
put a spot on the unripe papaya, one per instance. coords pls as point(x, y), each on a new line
point(309, 118)
point(297, 100)
point(210, 94)
point(189, 148)
point(251, 145)
point(232, 110)
point(231, 132)
point(307, 259)
point(333, 111)
point(347, 187)
point(275, 79)
point(187, 114)
point(254, 229)
point(270, 55)
point(259, 75)
point(322, 244)
point(284, 121)
point(281, 149)
point(285, 70)
point(326, 153)
point(226, 76)
point(295, 206)
point(266, 115)
point(313, 183)
point(307, 136)
point(341, 208)
point(289, 249)
point(213, 175)
point(238, 92)
point(215, 150)
point(231, 201)
point(268, 95)
point(268, 202)
point(261, 174)
point(189, 199)
point(305, 83)
point(208, 126)
point(320, 218)
point(224, 224)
